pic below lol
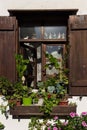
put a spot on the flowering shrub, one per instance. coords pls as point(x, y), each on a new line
point(73, 122)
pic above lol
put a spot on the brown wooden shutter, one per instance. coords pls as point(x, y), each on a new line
point(78, 55)
point(8, 47)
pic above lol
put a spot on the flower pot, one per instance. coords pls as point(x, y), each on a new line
point(18, 102)
point(63, 103)
point(27, 101)
point(14, 102)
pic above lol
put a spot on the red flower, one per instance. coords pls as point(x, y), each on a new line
point(49, 96)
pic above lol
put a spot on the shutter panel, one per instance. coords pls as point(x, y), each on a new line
point(8, 47)
point(78, 55)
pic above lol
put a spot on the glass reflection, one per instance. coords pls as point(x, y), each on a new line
point(57, 52)
point(30, 32)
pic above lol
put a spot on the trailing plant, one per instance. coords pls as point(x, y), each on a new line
point(36, 124)
point(50, 100)
point(61, 75)
point(3, 109)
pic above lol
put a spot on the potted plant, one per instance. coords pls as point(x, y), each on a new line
point(49, 101)
point(2, 126)
point(27, 99)
point(21, 89)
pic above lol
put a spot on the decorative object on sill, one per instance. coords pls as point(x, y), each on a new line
point(50, 36)
point(59, 35)
point(2, 126)
point(27, 37)
point(63, 36)
point(45, 35)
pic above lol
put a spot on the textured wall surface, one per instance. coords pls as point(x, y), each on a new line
point(42, 4)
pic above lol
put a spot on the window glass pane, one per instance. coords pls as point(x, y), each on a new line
point(30, 32)
point(39, 63)
point(55, 32)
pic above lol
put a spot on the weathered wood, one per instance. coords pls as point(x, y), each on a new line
point(8, 47)
point(35, 111)
point(78, 55)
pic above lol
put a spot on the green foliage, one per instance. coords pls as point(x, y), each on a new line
point(1, 126)
point(20, 90)
point(21, 65)
point(58, 82)
point(52, 61)
point(6, 87)
point(50, 100)
point(35, 124)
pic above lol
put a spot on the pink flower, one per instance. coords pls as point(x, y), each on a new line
point(84, 124)
point(48, 124)
point(65, 123)
point(48, 128)
point(56, 118)
point(72, 114)
point(84, 113)
point(55, 128)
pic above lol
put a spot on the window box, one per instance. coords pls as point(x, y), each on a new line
point(35, 111)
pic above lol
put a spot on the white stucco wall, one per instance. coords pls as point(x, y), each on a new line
point(42, 4)
point(12, 124)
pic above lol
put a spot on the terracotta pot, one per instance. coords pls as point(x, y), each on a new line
point(63, 103)
point(14, 102)
point(18, 102)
